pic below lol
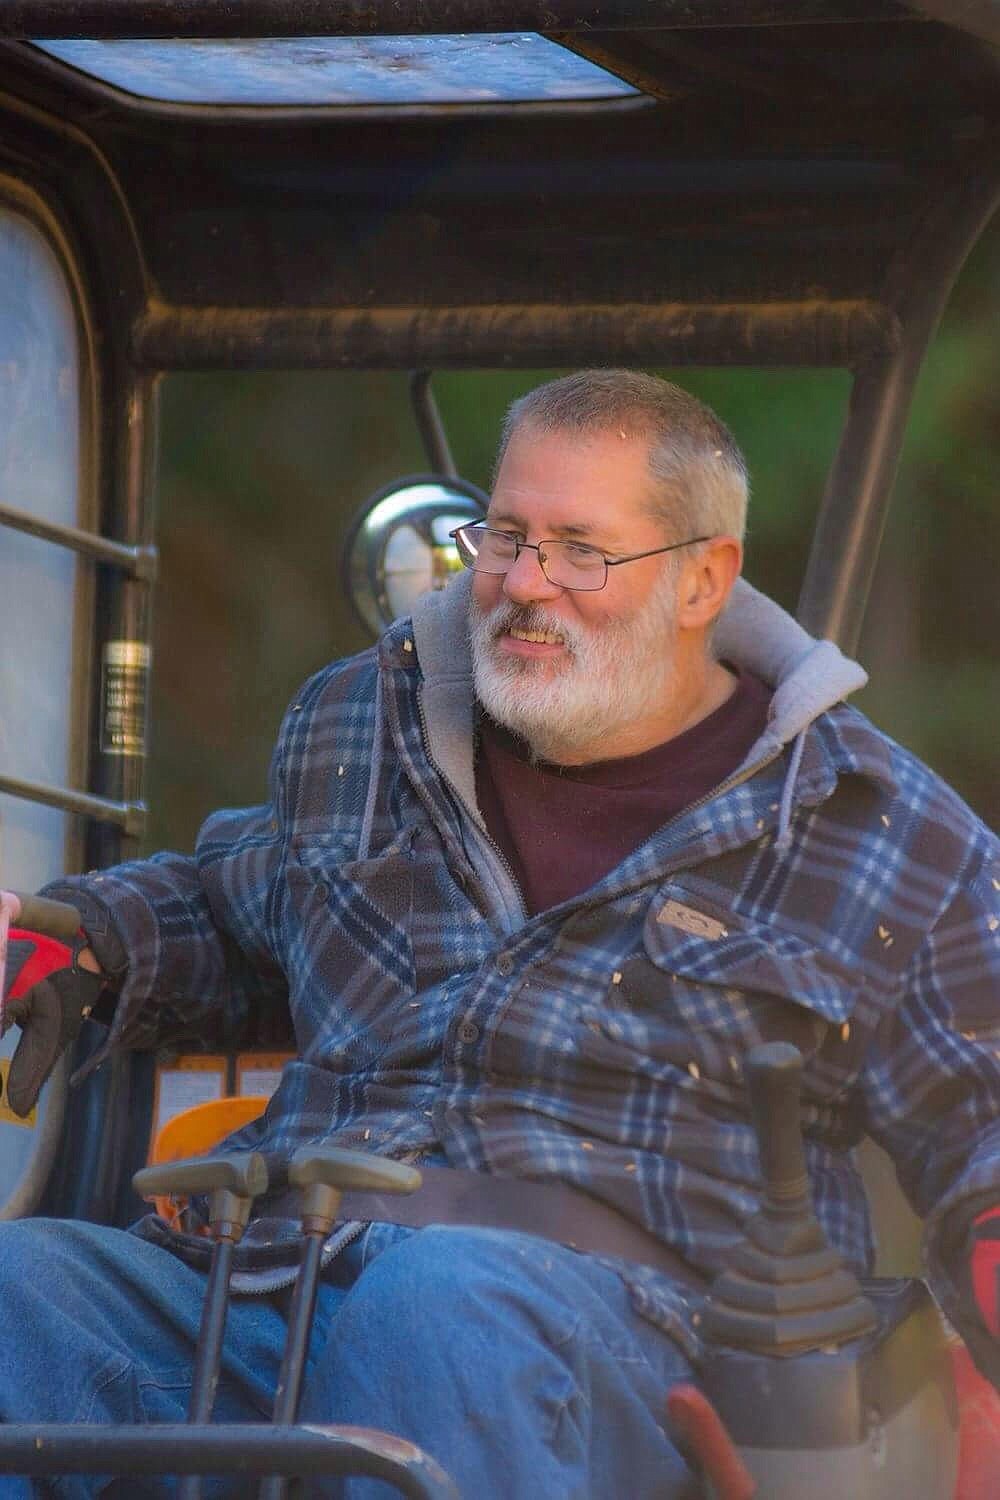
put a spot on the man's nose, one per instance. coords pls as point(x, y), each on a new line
point(525, 582)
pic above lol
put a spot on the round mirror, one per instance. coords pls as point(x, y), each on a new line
point(399, 547)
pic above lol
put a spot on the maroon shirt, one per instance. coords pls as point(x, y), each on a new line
point(562, 828)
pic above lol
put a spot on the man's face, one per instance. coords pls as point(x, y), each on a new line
point(567, 668)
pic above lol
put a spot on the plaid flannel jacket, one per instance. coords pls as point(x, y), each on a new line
point(600, 1042)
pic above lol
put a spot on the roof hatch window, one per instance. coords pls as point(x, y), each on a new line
point(510, 68)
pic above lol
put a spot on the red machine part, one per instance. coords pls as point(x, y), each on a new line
point(979, 1436)
point(986, 1267)
point(699, 1426)
point(10, 910)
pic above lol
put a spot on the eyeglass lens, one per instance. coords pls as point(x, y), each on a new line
point(566, 564)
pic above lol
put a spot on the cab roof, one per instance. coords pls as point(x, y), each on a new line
point(748, 185)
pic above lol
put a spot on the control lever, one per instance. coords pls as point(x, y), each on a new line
point(817, 1392)
point(232, 1183)
point(773, 1076)
point(323, 1174)
point(786, 1289)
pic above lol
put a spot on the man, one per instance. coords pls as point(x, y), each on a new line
point(535, 874)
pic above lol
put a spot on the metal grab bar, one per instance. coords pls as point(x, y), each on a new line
point(130, 817)
point(31, 1448)
point(138, 562)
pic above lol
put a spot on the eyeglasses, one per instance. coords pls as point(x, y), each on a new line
point(569, 565)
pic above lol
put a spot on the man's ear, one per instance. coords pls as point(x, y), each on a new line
point(706, 582)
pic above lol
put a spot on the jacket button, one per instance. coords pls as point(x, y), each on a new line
point(322, 890)
point(468, 1031)
point(505, 965)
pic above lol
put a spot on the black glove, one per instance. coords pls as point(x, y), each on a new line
point(48, 995)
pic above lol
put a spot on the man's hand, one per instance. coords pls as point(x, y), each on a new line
point(985, 1266)
point(50, 988)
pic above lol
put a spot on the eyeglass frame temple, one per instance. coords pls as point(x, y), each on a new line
point(612, 562)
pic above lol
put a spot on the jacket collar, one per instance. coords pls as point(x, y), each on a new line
point(809, 677)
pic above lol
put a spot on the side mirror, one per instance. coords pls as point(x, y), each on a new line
point(398, 547)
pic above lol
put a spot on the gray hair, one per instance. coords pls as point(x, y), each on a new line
point(701, 474)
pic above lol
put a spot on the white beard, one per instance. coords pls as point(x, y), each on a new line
point(612, 675)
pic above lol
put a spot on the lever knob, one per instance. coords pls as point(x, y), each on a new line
point(325, 1172)
point(773, 1074)
point(242, 1172)
point(786, 1289)
point(334, 1167)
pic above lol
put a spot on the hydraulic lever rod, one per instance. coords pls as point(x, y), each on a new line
point(232, 1183)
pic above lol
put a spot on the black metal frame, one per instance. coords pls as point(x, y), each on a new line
point(845, 332)
point(214, 18)
point(24, 198)
point(246, 1449)
point(430, 426)
point(855, 504)
point(87, 216)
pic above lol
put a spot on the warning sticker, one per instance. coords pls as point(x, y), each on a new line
point(259, 1073)
point(187, 1080)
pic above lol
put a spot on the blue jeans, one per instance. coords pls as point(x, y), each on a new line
point(519, 1365)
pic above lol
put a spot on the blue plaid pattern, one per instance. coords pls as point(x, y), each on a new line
point(599, 1043)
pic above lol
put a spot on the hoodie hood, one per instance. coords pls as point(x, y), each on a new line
point(808, 677)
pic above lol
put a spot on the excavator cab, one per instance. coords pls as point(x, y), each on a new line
point(415, 186)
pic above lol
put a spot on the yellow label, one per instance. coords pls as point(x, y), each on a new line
point(6, 1113)
point(127, 654)
point(124, 690)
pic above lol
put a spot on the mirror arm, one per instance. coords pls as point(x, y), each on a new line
point(428, 418)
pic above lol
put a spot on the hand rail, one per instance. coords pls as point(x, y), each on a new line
point(130, 817)
point(138, 562)
point(245, 1448)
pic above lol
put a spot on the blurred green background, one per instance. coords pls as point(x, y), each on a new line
point(262, 474)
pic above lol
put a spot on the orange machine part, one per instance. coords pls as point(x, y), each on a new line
point(195, 1131)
